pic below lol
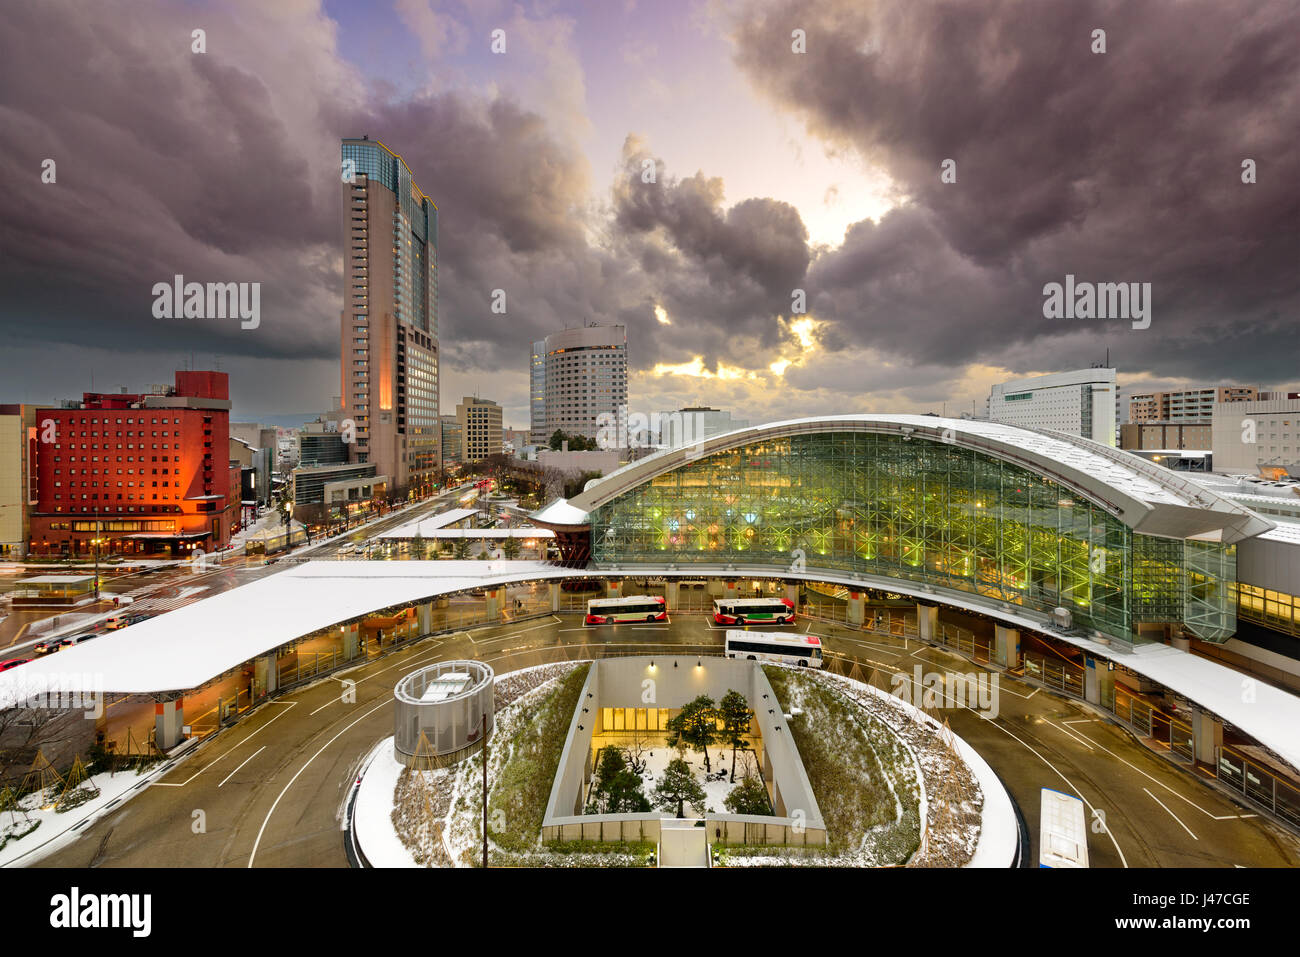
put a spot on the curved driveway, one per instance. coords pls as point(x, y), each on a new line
point(271, 789)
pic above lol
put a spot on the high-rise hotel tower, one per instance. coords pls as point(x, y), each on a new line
point(389, 338)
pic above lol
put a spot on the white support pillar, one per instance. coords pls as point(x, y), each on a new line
point(613, 588)
point(1207, 737)
point(265, 675)
point(857, 607)
point(927, 621)
point(1006, 646)
point(424, 614)
point(493, 602)
point(670, 595)
point(1098, 682)
point(169, 717)
point(554, 588)
point(351, 641)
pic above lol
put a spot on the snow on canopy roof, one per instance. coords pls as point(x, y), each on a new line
point(1145, 496)
point(422, 526)
point(560, 512)
point(192, 644)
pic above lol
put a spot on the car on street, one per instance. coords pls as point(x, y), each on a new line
point(46, 646)
point(13, 663)
point(77, 639)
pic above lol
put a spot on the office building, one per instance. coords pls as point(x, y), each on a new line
point(1260, 437)
point(537, 434)
point(1185, 405)
point(1081, 402)
point(1149, 436)
point(144, 474)
point(692, 424)
point(452, 435)
point(18, 439)
point(480, 428)
point(389, 322)
point(584, 377)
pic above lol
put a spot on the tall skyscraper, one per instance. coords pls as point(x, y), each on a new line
point(389, 327)
point(1081, 402)
point(586, 376)
point(537, 434)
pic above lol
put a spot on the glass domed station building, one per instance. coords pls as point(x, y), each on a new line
point(996, 516)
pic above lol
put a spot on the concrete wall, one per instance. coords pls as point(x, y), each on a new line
point(671, 682)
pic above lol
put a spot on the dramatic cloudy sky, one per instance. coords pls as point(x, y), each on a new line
point(776, 171)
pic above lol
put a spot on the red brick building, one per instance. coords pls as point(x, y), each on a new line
point(146, 474)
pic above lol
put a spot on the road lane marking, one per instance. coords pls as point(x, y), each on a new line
point(167, 784)
point(1070, 733)
point(257, 843)
point(241, 764)
point(1171, 814)
point(1069, 784)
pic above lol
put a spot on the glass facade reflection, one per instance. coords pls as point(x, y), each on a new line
point(921, 511)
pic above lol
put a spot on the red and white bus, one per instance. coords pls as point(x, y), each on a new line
point(740, 611)
point(611, 611)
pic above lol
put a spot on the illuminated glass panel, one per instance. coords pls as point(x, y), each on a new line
point(921, 511)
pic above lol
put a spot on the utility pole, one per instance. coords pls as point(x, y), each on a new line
point(485, 761)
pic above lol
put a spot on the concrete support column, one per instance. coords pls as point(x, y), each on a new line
point(424, 614)
point(792, 593)
point(554, 589)
point(351, 641)
point(169, 716)
point(1207, 737)
point(493, 602)
point(927, 621)
point(1098, 682)
point(613, 589)
point(730, 589)
point(265, 675)
point(857, 607)
point(1006, 646)
point(670, 596)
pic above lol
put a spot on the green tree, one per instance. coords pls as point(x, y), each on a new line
point(735, 714)
point(417, 547)
point(617, 789)
point(461, 548)
point(677, 787)
point(557, 440)
point(749, 797)
point(695, 726)
point(510, 548)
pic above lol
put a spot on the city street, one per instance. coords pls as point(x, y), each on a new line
point(271, 789)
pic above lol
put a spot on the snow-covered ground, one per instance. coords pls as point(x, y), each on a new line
point(657, 754)
point(56, 829)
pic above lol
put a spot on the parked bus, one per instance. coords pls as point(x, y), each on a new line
point(738, 611)
point(611, 611)
point(778, 647)
point(1063, 831)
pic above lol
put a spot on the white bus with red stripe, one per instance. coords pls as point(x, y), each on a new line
point(612, 611)
point(777, 647)
point(741, 611)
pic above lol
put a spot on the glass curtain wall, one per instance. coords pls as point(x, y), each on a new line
point(921, 511)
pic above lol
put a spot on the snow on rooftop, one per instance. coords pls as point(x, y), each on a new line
point(423, 526)
point(560, 512)
point(190, 645)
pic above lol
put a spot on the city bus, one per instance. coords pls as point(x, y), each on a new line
point(778, 647)
point(1063, 831)
point(738, 611)
point(611, 611)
